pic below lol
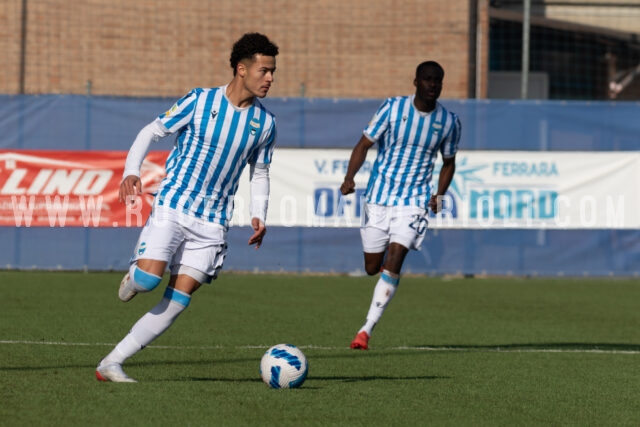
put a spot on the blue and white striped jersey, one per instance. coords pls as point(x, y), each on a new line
point(214, 143)
point(408, 145)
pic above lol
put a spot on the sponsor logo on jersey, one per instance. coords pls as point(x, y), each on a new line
point(171, 110)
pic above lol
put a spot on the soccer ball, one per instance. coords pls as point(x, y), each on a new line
point(284, 366)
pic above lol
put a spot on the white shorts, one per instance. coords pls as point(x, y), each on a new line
point(183, 241)
point(405, 225)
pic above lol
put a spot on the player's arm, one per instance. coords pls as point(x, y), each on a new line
point(260, 188)
point(444, 180)
point(358, 156)
point(448, 150)
point(131, 186)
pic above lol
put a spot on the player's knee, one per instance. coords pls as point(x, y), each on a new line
point(372, 269)
point(373, 263)
point(143, 280)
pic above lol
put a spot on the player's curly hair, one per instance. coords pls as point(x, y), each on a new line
point(249, 45)
point(428, 64)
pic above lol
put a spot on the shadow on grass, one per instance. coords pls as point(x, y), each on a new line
point(346, 379)
point(372, 353)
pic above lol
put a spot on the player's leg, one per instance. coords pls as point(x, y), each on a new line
point(375, 238)
point(175, 300)
point(158, 242)
point(198, 260)
point(406, 232)
point(373, 262)
point(161, 237)
point(383, 293)
point(195, 262)
point(144, 275)
point(403, 235)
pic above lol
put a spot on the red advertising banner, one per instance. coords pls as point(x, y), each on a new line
point(73, 188)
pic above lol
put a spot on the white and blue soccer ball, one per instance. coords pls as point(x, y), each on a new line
point(284, 366)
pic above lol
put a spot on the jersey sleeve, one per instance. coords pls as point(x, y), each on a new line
point(149, 134)
point(181, 113)
point(449, 146)
point(264, 152)
point(379, 124)
point(260, 187)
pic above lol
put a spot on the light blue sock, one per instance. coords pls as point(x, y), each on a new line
point(141, 281)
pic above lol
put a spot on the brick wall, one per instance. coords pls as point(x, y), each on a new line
point(10, 46)
point(328, 48)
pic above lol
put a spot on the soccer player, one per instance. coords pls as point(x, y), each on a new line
point(409, 131)
point(219, 131)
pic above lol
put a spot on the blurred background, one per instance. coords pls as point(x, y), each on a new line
point(567, 49)
point(525, 76)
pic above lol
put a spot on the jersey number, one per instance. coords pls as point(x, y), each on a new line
point(419, 224)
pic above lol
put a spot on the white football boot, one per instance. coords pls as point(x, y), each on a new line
point(112, 372)
point(126, 292)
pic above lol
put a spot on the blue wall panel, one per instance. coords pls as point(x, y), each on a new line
point(453, 252)
point(102, 123)
point(72, 122)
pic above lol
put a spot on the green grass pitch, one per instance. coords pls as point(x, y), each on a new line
point(448, 352)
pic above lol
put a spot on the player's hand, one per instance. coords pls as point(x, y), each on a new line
point(130, 189)
point(259, 231)
point(434, 205)
point(348, 186)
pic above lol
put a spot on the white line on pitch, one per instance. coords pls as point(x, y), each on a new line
point(470, 349)
point(499, 349)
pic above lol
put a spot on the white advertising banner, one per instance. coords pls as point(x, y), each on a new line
point(491, 189)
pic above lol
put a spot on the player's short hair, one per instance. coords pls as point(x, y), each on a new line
point(251, 44)
point(427, 64)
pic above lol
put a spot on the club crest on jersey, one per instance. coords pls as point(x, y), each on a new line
point(254, 125)
point(437, 127)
